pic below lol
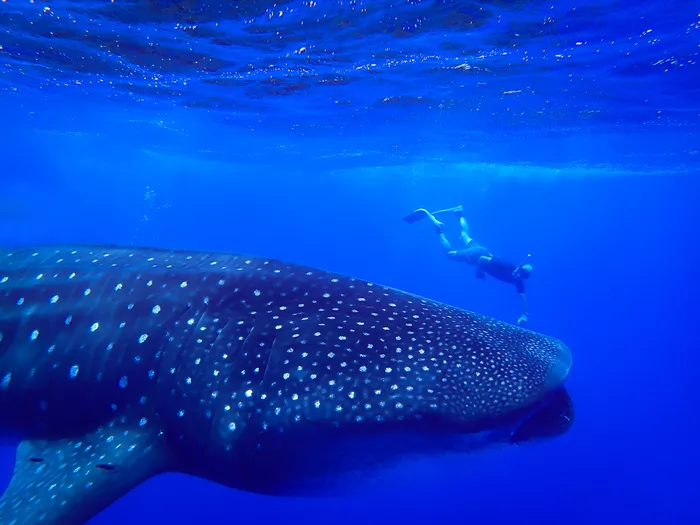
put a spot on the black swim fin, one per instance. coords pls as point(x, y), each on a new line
point(415, 216)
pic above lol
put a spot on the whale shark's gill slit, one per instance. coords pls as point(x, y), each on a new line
point(105, 466)
point(247, 337)
point(219, 335)
point(245, 352)
point(8, 333)
point(36, 460)
point(266, 366)
point(182, 346)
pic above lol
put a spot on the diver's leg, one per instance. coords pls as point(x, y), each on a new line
point(481, 262)
point(445, 243)
point(423, 213)
point(464, 225)
point(443, 238)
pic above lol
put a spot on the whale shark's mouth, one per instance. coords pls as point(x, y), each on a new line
point(553, 418)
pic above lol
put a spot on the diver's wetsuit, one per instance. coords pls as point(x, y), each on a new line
point(471, 253)
point(501, 270)
point(495, 266)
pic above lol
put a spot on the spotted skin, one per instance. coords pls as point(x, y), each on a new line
point(119, 363)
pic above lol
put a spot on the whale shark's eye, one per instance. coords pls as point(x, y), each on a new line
point(553, 418)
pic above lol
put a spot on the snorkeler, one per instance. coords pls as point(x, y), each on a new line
point(477, 255)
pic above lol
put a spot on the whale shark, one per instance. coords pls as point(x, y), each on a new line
point(119, 363)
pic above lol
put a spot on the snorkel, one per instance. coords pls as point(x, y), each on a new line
point(520, 266)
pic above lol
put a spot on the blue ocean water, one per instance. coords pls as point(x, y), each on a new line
point(306, 130)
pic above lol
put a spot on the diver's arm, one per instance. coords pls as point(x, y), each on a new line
point(523, 301)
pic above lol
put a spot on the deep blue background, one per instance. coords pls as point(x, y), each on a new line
point(615, 278)
point(567, 130)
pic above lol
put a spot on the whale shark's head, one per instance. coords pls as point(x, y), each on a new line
point(552, 415)
point(505, 376)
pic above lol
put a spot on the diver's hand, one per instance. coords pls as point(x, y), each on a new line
point(522, 320)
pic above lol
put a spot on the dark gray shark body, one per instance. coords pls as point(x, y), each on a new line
point(119, 363)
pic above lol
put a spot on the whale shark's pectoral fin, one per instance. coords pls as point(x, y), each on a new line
point(68, 481)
